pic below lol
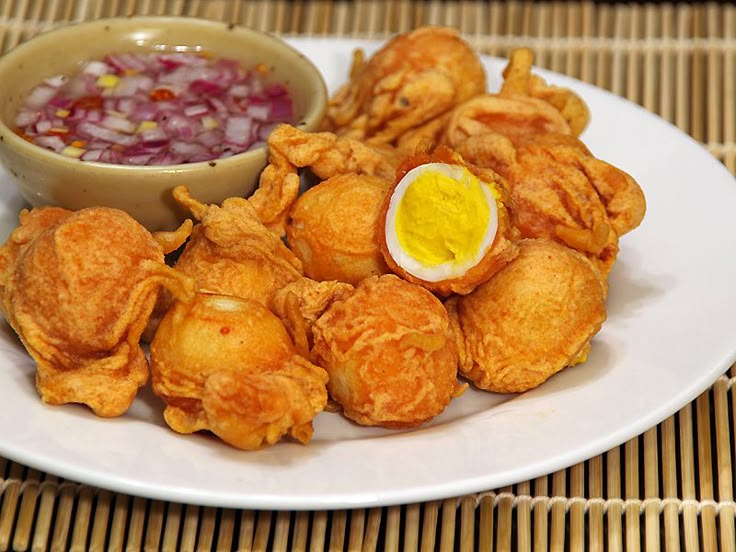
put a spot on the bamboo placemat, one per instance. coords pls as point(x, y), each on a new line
point(671, 488)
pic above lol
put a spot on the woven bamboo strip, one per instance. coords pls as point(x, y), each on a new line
point(729, 89)
point(595, 512)
point(393, 528)
point(576, 511)
point(373, 528)
point(724, 462)
point(557, 518)
point(666, 103)
point(301, 531)
point(467, 524)
point(280, 536)
point(682, 84)
point(247, 530)
point(485, 524)
point(11, 491)
point(540, 538)
point(687, 478)
point(63, 514)
point(318, 533)
point(82, 518)
point(651, 489)
point(447, 529)
point(411, 527)
point(99, 526)
point(504, 516)
point(119, 521)
point(523, 518)
point(264, 522)
point(705, 475)
point(136, 522)
point(26, 511)
point(429, 525)
point(631, 490)
point(669, 483)
point(714, 111)
point(698, 97)
point(615, 510)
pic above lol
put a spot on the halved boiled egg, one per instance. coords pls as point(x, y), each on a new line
point(446, 229)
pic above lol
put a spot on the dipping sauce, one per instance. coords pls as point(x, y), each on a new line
point(158, 108)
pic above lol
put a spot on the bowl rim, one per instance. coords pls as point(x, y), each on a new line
point(315, 109)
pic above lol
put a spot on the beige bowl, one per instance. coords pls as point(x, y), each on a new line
point(48, 178)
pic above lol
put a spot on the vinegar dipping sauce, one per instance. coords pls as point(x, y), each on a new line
point(157, 108)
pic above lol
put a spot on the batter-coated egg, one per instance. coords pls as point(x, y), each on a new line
point(445, 225)
point(441, 221)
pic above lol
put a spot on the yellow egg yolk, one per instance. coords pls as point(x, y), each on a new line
point(440, 219)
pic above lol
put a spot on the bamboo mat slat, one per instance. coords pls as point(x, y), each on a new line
point(671, 488)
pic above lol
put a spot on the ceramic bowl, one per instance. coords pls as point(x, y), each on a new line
point(45, 177)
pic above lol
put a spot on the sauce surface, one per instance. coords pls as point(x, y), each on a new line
point(158, 108)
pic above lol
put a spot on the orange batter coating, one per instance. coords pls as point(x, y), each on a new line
point(525, 105)
point(560, 191)
point(531, 320)
point(389, 352)
point(78, 290)
point(227, 365)
point(415, 77)
point(520, 81)
point(32, 223)
point(232, 253)
point(300, 304)
point(333, 228)
point(514, 117)
point(325, 154)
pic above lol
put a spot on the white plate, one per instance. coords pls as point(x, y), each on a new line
point(669, 335)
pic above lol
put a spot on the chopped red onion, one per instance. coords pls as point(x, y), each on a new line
point(196, 110)
point(40, 96)
point(56, 81)
point(50, 142)
point(42, 127)
point(238, 130)
point(118, 123)
point(95, 67)
point(155, 109)
point(27, 118)
point(91, 155)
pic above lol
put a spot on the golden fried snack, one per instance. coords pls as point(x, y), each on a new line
point(389, 352)
point(300, 303)
point(560, 191)
point(232, 253)
point(519, 81)
point(444, 224)
point(333, 228)
point(227, 365)
point(79, 294)
point(413, 78)
point(532, 319)
point(325, 154)
point(32, 223)
point(514, 117)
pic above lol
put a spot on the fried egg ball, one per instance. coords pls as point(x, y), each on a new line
point(389, 352)
point(535, 317)
point(444, 227)
point(227, 364)
point(333, 228)
point(78, 288)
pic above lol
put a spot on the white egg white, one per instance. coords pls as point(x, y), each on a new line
point(451, 269)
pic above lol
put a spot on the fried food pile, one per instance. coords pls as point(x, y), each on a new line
point(450, 237)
